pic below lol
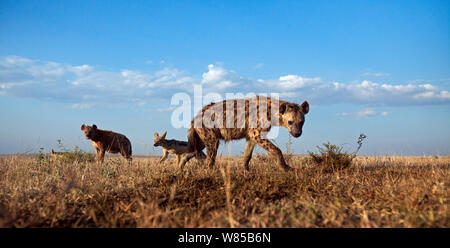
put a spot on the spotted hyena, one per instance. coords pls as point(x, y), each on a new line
point(249, 118)
point(107, 141)
point(176, 147)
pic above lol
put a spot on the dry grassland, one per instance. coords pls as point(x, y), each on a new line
point(372, 192)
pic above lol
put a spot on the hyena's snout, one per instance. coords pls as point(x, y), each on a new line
point(296, 131)
point(296, 135)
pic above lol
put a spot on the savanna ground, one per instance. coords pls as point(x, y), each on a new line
point(373, 192)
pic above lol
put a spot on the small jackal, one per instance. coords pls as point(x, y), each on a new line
point(58, 155)
point(176, 147)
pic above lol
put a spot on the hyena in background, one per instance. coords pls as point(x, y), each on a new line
point(107, 141)
point(251, 119)
point(171, 146)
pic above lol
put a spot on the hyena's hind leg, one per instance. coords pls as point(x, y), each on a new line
point(128, 158)
point(185, 158)
point(211, 152)
point(100, 156)
point(126, 154)
point(200, 155)
point(249, 146)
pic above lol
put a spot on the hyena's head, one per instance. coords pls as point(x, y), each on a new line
point(89, 131)
point(292, 117)
point(159, 139)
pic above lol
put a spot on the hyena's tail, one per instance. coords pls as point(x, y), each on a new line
point(131, 151)
point(195, 144)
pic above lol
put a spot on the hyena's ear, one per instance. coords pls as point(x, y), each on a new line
point(305, 107)
point(83, 127)
point(53, 151)
point(156, 135)
point(164, 135)
point(283, 108)
point(94, 127)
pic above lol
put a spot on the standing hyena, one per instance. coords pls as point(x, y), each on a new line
point(251, 119)
point(107, 141)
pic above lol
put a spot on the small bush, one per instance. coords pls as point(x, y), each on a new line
point(77, 155)
point(332, 157)
point(42, 159)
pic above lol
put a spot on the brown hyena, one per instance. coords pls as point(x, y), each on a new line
point(107, 141)
point(251, 119)
point(176, 147)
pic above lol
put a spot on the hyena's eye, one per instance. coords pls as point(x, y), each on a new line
point(290, 122)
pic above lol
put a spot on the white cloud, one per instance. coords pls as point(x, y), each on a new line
point(82, 105)
point(445, 95)
point(259, 66)
point(13, 61)
point(343, 114)
point(217, 78)
point(366, 113)
point(375, 74)
point(293, 82)
point(79, 70)
point(168, 109)
point(368, 92)
point(82, 85)
point(214, 74)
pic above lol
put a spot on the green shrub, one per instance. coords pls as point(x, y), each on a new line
point(75, 155)
point(332, 157)
point(42, 159)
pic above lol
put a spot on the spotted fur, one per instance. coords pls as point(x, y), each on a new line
point(244, 117)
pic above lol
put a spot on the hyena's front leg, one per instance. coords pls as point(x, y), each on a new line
point(100, 155)
point(272, 149)
point(97, 153)
point(211, 152)
point(249, 146)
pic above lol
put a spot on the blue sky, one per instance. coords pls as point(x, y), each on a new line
point(377, 67)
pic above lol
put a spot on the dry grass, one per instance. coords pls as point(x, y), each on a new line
point(372, 192)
